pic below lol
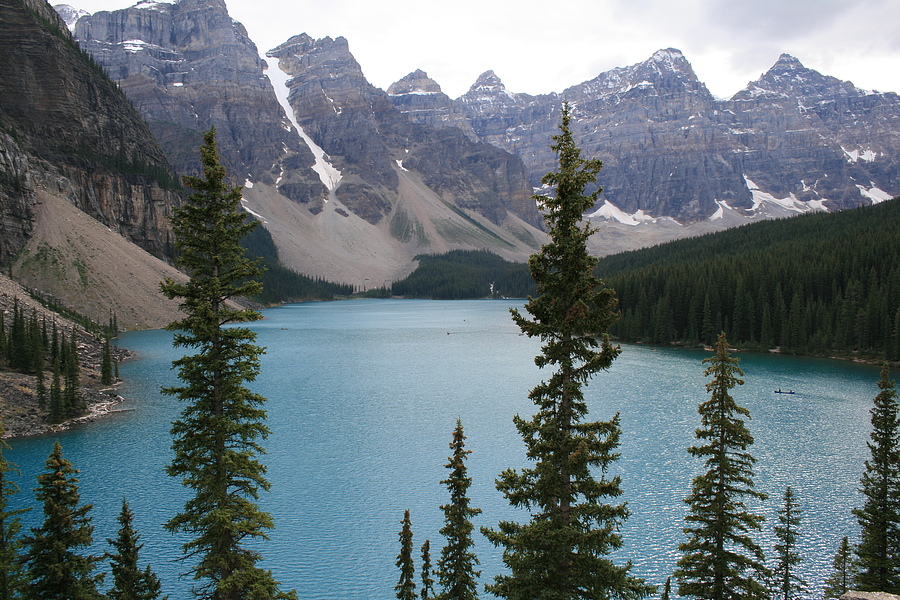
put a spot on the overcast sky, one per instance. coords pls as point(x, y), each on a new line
point(545, 46)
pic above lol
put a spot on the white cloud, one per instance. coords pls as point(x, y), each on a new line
point(538, 47)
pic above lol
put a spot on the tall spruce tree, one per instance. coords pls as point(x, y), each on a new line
point(406, 585)
point(838, 583)
point(721, 561)
point(788, 584)
point(427, 580)
point(12, 577)
point(456, 567)
point(217, 438)
point(878, 552)
point(562, 552)
point(57, 569)
point(129, 581)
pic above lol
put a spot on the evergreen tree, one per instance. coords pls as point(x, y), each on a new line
point(216, 440)
point(72, 400)
point(561, 552)
point(40, 385)
point(878, 552)
point(838, 583)
point(56, 568)
point(106, 364)
point(427, 579)
point(788, 585)
point(406, 586)
point(129, 581)
point(57, 405)
point(12, 578)
point(667, 589)
point(721, 561)
point(456, 567)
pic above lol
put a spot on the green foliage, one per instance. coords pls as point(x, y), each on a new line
point(561, 552)
point(12, 576)
point(788, 585)
point(56, 568)
point(813, 284)
point(129, 581)
point(456, 567)
point(838, 583)
point(878, 552)
point(720, 560)
point(406, 586)
point(465, 274)
point(216, 440)
point(283, 285)
point(427, 579)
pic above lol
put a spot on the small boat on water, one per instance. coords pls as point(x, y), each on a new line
point(778, 391)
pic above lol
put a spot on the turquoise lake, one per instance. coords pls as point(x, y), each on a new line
point(363, 396)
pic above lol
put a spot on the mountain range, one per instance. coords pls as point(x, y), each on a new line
point(353, 182)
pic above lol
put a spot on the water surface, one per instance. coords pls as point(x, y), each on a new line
point(363, 397)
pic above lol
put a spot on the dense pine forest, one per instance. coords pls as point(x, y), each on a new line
point(817, 284)
point(465, 274)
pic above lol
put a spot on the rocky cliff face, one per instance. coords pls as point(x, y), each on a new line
point(817, 139)
point(66, 129)
point(188, 67)
point(370, 140)
point(794, 138)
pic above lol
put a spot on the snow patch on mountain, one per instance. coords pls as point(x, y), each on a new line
point(859, 155)
point(70, 14)
point(763, 201)
point(610, 212)
point(874, 194)
point(328, 174)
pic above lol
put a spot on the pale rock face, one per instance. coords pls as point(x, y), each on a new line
point(670, 149)
point(76, 137)
point(366, 131)
point(187, 67)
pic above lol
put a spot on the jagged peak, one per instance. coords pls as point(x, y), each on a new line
point(788, 78)
point(788, 61)
point(417, 82)
point(488, 79)
point(662, 65)
point(70, 14)
point(671, 60)
point(668, 55)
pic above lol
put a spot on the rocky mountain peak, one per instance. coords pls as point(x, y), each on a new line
point(188, 66)
point(665, 73)
point(488, 84)
point(671, 59)
point(70, 14)
point(417, 82)
point(788, 78)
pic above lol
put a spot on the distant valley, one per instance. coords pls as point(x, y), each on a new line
point(353, 182)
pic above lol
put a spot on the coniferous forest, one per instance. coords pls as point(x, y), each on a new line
point(821, 284)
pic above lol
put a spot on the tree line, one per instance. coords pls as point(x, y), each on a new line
point(819, 284)
point(464, 275)
point(573, 518)
point(280, 284)
point(32, 346)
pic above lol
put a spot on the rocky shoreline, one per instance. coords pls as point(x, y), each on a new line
point(20, 413)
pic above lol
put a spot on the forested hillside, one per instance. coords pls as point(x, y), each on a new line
point(465, 274)
point(817, 284)
point(281, 284)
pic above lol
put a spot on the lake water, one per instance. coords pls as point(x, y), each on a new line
point(363, 397)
